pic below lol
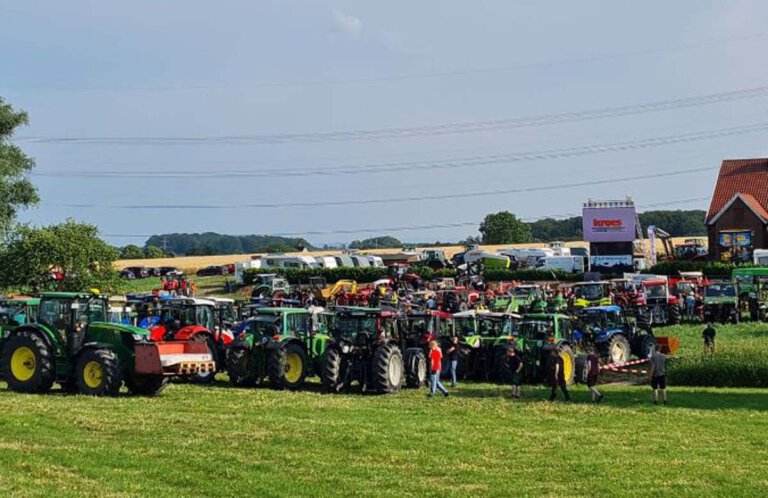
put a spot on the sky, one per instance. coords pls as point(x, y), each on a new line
point(342, 120)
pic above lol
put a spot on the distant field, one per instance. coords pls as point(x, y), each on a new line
point(194, 263)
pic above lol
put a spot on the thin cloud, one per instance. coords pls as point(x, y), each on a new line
point(347, 24)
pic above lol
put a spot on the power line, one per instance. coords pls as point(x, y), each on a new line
point(420, 131)
point(426, 227)
point(392, 200)
point(413, 76)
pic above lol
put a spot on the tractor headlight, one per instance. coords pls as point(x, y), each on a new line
point(137, 337)
point(345, 348)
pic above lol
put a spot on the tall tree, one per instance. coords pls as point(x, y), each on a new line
point(504, 228)
point(16, 191)
point(71, 250)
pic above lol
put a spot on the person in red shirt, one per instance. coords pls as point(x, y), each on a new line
point(435, 365)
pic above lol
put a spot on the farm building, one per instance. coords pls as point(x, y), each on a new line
point(737, 220)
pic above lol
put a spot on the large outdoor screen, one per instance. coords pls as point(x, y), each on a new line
point(609, 224)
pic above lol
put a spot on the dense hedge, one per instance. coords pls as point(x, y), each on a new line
point(741, 364)
point(709, 268)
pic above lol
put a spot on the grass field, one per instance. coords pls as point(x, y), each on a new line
point(206, 286)
point(223, 441)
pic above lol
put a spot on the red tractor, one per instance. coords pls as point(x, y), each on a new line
point(658, 306)
point(189, 318)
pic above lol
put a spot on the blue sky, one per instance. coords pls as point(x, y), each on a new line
point(148, 71)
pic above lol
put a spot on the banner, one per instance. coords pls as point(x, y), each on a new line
point(652, 241)
point(609, 224)
point(612, 264)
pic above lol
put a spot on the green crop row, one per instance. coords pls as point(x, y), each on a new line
point(734, 364)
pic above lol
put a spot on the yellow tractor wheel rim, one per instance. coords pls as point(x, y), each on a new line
point(567, 365)
point(293, 367)
point(23, 364)
point(93, 374)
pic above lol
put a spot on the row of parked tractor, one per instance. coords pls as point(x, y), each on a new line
point(374, 335)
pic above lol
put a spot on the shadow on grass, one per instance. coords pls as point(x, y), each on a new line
point(632, 396)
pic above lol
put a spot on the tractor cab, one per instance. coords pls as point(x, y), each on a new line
point(360, 325)
point(586, 294)
point(269, 285)
point(67, 312)
point(418, 328)
point(539, 334)
point(17, 311)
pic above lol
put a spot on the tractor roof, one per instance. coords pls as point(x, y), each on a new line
point(601, 282)
point(191, 301)
point(70, 295)
point(544, 316)
point(358, 310)
point(655, 281)
point(20, 300)
point(281, 311)
point(221, 300)
point(607, 309)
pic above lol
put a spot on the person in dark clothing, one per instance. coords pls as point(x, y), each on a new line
point(592, 368)
point(709, 338)
point(557, 375)
point(516, 367)
point(454, 353)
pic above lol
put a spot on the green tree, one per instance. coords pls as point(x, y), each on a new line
point(504, 228)
point(16, 191)
point(385, 242)
point(73, 250)
point(131, 251)
point(153, 252)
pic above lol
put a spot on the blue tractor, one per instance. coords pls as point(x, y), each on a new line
point(612, 334)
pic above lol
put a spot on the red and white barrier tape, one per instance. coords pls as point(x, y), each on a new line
point(618, 366)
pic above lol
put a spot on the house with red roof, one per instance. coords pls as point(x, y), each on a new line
point(737, 220)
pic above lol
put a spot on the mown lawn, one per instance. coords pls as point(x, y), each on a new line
point(221, 441)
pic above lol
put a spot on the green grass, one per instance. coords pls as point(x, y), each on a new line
point(206, 286)
point(222, 441)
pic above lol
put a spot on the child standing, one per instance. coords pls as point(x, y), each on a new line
point(435, 365)
point(593, 371)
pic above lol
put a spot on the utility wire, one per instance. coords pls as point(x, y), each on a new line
point(413, 76)
point(390, 200)
point(426, 227)
point(427, 164)
point(420, 131)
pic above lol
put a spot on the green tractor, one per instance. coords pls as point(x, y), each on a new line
point(721, 302)
point(284, 345)
point(72, 343)
point(590, 294)
point(485, 338)
point(753, 290)
point(539, 334)
point(269, 285)
point(17, 311)
point(527, 298)
point(364, 348)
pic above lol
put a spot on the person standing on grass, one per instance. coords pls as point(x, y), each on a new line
point(690, 306)
point(435, 365)
point(454, 353)
point(516, 367)
point(557, 374)
point(593, 372)
point(709, 338)
point(658, 374)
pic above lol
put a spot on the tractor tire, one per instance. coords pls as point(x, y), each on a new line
point(335, 372)
point(239, 367)
point(415, 367)
point(97, 372)
point(287, 367)
point(386, 369)
point(27, 363)
point(146, 385)
point(673, 314)
point(616, 349)
point(502, 372)
point(643, 346)
point(207, 377)
point(580, 367)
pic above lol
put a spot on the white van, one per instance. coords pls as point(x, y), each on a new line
point(760, 257)
point(245, 265)
point(376, 261)
point(568, 264)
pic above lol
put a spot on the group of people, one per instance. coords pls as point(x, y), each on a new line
point(657, 371)
point(178, 285)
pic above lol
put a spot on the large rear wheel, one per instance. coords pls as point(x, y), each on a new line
point(335, 373)
point(27, 363)
point(239, 367)
point(616, 349)
point(387, 369)
point(287, 367)
point(97, 372)
point(415, 367)
point(673, 314)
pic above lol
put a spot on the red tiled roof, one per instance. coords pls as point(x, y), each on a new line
point(741, 176)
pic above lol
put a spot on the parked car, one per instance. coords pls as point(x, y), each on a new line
point(127, 274)
point(209, 271)
point(165, 270)
point(138, 271)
